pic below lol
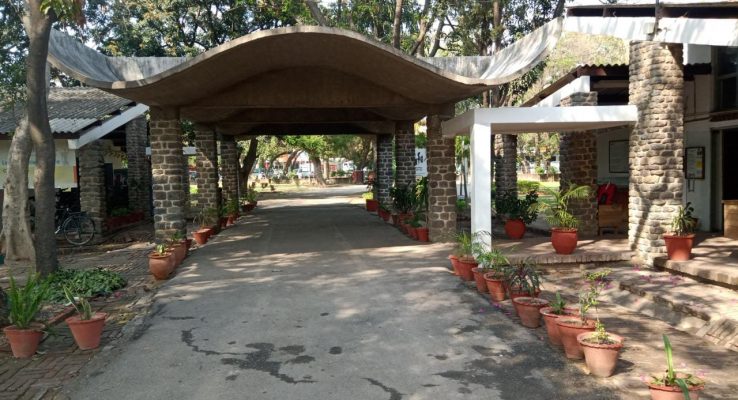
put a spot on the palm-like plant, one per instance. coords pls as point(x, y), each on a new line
point(494, 261)
point(26, 302)
point(684, 223)
point(557, 212)
point(524, 278)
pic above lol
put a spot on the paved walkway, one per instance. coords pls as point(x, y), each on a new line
point(314, 298)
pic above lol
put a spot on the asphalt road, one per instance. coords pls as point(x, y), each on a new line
point(313, 298)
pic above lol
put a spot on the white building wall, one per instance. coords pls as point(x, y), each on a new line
point(698, 191)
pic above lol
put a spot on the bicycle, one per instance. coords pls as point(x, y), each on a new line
point(77, 227)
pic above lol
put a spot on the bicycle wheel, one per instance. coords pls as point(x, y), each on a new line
point(78, 229)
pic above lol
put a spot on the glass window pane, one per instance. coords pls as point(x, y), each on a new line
point(727, 60)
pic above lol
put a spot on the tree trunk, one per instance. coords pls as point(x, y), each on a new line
point(248, 163)
point(422, 29)
point(16, 235)
point(397, 24)
point(290, 161)
point(318, 170)
point(38, 28)
point(316, 13)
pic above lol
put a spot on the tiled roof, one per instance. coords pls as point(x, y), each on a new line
point(72, 109)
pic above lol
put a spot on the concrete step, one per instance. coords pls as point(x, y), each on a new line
point(717, 270)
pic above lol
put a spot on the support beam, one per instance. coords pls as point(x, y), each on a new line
point(481, 185)
point(166, 171)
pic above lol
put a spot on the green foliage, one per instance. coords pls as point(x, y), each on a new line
point(524, 277)
point(671, 377)
point(251, 196)
point(176, 237)
point(421, 141)
point(84, 309)
point(25, 302)
point(211, 216)
point(85, 283)
point(403, 198)
point(160, 249)
point(511, 206)
point(540, 170)
point(461, 205)
point(558, 306)
point(470, 245)
point(421, 194)
point(684, 223)
point(493, 260)
point(528, 186)
point(232, 206)
point(595, 282)
point(557, 212)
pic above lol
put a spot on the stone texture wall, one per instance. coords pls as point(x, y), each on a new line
point(206, 162)
point(229, 167)
point(139, 170)
point(442, 183)
point(405, 153)
point(578, 151)
point(187, 204)
point(166, 172)
point(656, 144)
point(384, 169)
point(505, 163)
point(92, 185)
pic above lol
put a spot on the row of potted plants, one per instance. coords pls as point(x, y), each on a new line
point(409, 203)
point(25, 332)
point(211, 221)
point(166, 257)
point(569, 327)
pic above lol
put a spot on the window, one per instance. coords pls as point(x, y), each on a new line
point(726, 84)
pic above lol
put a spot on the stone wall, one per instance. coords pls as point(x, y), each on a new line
point(505, 163)
point(578, 151)
point(229, 167)
point(405, 153)
point(656, 144)
point(139, 170)
point(441, 182)
point(92, 185)
point(206, 162)
point(384, 169)
point(166, 173)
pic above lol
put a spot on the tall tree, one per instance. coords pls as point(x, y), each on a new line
point(397, 25)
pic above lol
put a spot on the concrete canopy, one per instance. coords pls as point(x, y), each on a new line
point(301, 80)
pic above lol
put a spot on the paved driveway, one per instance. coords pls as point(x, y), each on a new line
point(314, 298)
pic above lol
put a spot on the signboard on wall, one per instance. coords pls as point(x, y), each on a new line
point(421, 162)
point(694, 163)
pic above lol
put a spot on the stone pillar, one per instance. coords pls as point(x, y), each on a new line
point(187, 204)
point(506, 170)
point(92, 185)
point(384, 169)
point(656, 144)
point(229, 167)
point(139, 170)
point(441, 183)
point(404, 153)
point(206, 162)
point(166, 172)
point(578, 152)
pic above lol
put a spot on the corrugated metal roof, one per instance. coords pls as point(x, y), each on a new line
point(72, 109)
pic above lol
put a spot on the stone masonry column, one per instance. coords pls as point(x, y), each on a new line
point(187, 202)
point(139, 170)
point(92, 185)
point(384, 169)
point(207, 168)
point(505, 169)
point(578, 152)
point(229, 167)
point(656, 145)
point(441, 182)
point(405, 153)
point(166, 171)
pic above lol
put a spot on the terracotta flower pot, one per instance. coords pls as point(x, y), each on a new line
point(465, 266)
point(87, 332)
point(454, 263)
point(528, 309)
point(231, 219)
point(564, 241)
point(188, 242)
point(395, 219)
point(161, 265)
point(679, 248)
point(673, 392)
point(24, 342)
point(180, 252)
point(412, 231)
point(200, 236)
point(372, 205)
point(602, 358)
point(248, 207)
point(495, 287)
point(479, 279)
point(514, 228)
point(422, 233)
point(549, 319)
point(223, 222)
point(569, 328)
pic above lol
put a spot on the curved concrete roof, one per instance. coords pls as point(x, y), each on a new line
point(262, 78)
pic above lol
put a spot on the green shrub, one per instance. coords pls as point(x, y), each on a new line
point(87, 283)
point(528, 186)
point(25, 302)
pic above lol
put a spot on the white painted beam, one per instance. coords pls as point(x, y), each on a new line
point(579, 85)
point(481, 180)
point(107, 126)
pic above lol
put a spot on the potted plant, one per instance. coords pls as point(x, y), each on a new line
point(201, 235)
point(491, 267)
point(674, 385)
point(251, 199)
point(601, 350)
point(384, 212)
point(403, 200)
point(24, 334)
point(212, 220)
point(523, 280)
point(465, 246)
point(223, 217)
point(556, 309)
point(161, 262)
point(178, 247)
point(232, 211)
point(421, 230)
point(516, 212)
point(680, 240)
point(372, 205)
point(570, 327)
point(86, 326)
point(563, 224)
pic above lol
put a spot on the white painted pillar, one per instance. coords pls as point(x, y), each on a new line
point(481, 182)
